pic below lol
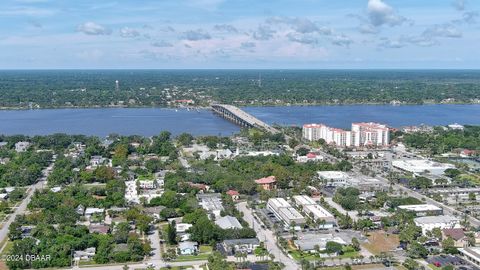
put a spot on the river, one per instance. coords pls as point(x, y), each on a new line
point(150, 121)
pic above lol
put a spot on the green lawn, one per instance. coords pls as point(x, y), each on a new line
point(186, 258)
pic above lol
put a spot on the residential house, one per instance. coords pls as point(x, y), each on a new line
point(187, 248)
point(267, 183)
point(228, 222)
point(84, 255)
point(232, 246)
point(233, 194)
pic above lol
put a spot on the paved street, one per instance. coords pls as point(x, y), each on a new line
point(267, 236)
point(23, 205)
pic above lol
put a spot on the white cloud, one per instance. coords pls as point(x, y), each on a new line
point(91, 28)
point(443, 30)
point(226, 28)
point(379, 13)
point(459, 5)
point(128, 32)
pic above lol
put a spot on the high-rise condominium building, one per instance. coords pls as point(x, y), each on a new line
point(362, 134)
point(373, 134)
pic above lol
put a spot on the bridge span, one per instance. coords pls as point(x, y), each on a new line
point(240, 117)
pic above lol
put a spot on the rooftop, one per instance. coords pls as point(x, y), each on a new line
point(436, 219)
point(266, 180)
point(420, 207)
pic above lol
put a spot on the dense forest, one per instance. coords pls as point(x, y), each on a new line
point(89, 88)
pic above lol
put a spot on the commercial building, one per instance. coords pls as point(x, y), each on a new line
point(422, 210)
point(421, 166)
point(314, 210)
point(471, 254)
point(334, 178)
point(441, 222)
point(284, 211)
point(370, 134)
point(361, 134)
point(211, 202)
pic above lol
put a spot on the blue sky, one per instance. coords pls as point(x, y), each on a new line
point(239, 34)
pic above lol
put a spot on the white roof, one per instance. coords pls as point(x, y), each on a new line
point(290, 212)
point(317, 211)
point(228, 222)
point(436, 219)
point(332, 174)
point(303, 200)
point(420, 207)
point(420, 165)
point(91, 210)
point(278, 202)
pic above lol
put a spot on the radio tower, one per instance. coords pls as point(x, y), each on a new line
point(260, 80)
point(117, 86)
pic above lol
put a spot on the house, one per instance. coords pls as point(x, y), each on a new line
point(267, 183)
point(310, 157)
point(308, 243)
point(458, 236)
point(182, 227)
point(96, 161)
point(56, 189)
point(228, 222)
point(247, 245)
point(21, 146)
point(80, 210)
point(92, 210)
point(233, 194)
point(187, 248)
point(84, 255)
point(147, 184)
point(98, 228)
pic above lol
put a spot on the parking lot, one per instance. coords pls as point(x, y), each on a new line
point(457, 262)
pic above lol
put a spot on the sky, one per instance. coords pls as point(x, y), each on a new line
point(250, 34)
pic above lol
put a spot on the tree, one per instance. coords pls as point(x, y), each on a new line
point(472, 197)
point(333, 247)
point(416, 250)
point(172, 233)
point(185, 139)
point(411, 264)
point(355, 244)
point(120, 234)
point(452, 173)
point(302, 151)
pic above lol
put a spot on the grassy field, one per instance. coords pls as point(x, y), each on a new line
point(380, 241)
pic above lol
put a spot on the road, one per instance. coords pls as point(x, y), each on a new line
point(267, 236)
point(23, 205)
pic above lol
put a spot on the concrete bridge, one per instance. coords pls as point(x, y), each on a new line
point(240, 117)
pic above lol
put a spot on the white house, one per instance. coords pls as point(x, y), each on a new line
point(21, 146)
point(187, 248)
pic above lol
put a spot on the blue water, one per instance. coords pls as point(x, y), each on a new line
point(395, 116)
point(150, 121)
